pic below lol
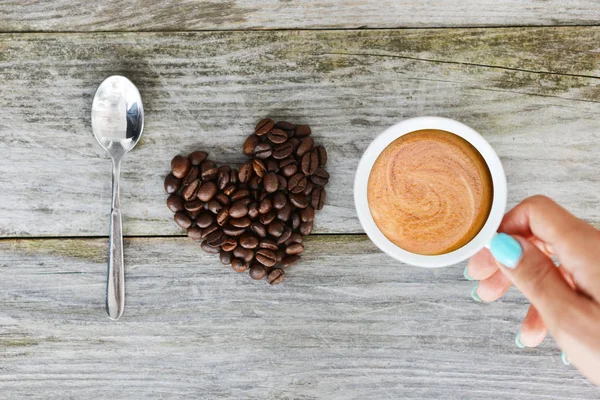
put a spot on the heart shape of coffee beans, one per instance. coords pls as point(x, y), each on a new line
point(255, 218)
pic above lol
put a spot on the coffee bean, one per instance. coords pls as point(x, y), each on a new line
point(310, 162)
point(216, 238)
point(197, 157)
point(296, 221)
point(243, 253)
point(275, 277)
point(245, 172)
point(194, 233)
point(272, 165)
point(268, 244)
point(259, 194)
point(223, 199)
point(285, 212)
point(191, 176)
point(283, 150)
point(172, 184)
point(210, 174)
point(305, 146)
point(303, 130)
point(295, 142)
point(208, 230)
point(231, 230)
point(180, 166)
point(286, 126)
point(267, 218)
point(259, 167)
point(309, 188)
point(297, 183)
point(238, 265)
point(290, 260)
point(253, 210)
point(277, 136)
point(248, 241)
point(257, 272)
point(205, 219)
point(320, 177)
point(243, 222)
point(279, 255)
point(229, 244)
point(271, 182)
point(299, 200)
point(266, 257)
point(210, 249)
point(287, 232)
point(294, 249)
point(214, 206)
point(322, 153)
point(254, 183)
point(290, 169)
point(308, 214)
point(263, 150)
point(238, 209)
point(239, 194)
point(233, 176)
point(250, 144)
point(229, 190)
point(279, 200)
point(294, 238)
point(225, 257)
point(318, 198)
point(276, 228)
point(306, 228)
point(282, 182)
point(175, 203)
point(207, 191)
point(264, 126)
point(265, 206)
point(223, 179)
point(189, 192)
point(259, 229)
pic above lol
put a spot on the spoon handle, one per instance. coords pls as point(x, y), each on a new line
point(115, 287)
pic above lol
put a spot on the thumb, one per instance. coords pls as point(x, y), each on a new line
point(536, 276)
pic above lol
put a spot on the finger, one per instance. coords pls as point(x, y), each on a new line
point(481, 266)
point(533, 330)
point(538, 279)
point(494, 287)
point(573, 241)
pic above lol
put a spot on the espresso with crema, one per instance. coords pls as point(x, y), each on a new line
point(430, 192)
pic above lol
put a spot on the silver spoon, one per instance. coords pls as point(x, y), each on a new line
point(117, 122)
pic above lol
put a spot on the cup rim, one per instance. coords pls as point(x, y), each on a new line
point(485, 235)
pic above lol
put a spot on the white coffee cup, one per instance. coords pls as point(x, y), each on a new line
point(490, 227)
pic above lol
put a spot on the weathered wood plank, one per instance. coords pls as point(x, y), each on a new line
point(533, 93)
point(348, 323)
point(154, 15)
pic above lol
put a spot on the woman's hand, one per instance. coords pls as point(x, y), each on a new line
point(564, 300)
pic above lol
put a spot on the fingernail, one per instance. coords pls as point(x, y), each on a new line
point(474, 294)
point(466, 274)
point(564, 358)
point(506, 250)
point(518, 341)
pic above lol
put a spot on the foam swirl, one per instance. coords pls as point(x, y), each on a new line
point(430, 192)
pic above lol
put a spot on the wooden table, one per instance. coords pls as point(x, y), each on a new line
point(348, 323)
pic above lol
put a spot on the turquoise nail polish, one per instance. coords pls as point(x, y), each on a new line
point(564, 359)
point(474, 294)
point(466, 275)
point(518, 341)
point(506, 250)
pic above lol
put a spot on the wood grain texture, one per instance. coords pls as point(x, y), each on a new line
point(532, 92)
point(348, 323)
point(181, 15)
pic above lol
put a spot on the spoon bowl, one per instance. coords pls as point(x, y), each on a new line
point(117, 123)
